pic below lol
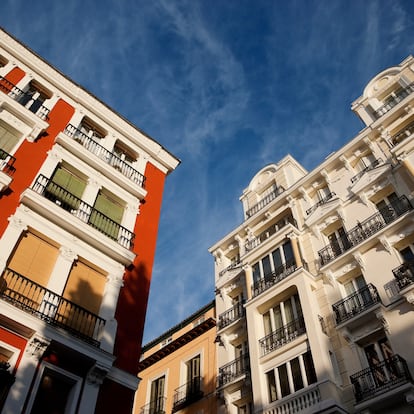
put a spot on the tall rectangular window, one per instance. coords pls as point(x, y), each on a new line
point(8, 137)
point(157, 396)
point(271, 385)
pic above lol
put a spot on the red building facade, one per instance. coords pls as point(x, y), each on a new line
point(80, 199)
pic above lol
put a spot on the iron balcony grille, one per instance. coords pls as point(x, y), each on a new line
point(404, 274)
point(237, 263)
point(6, 162)
point(83, 211)
point(270, 231)
point(187, 394)
point(109, 157)
point(405, 133)
point(379, 378)
point(369, 167)
point(33, 298)
point(25, 99)
point(156, 406)
point(231, 315)
point(233, 370)
point(272, 278)
point(364, 230)
point(394, 100)
point(356, 303)
point(321, 202)
point(264, 201)
point(282, 336)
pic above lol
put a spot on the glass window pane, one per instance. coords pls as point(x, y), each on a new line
point(309, 368)
point(284, 381)
point(266, 266)
point(296, 374)
point(288, 252)
point(277, 260)
point(271, 386)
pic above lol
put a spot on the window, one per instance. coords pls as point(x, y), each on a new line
point(290, 377)
point(166, 341)
point(388, 207)
point(89, 128)
point(107, 214)
point(338, 241)
point(157, 396)
point(34, 96)
point(365, 162)
point(65, 188)
point(9, 138)
point(279, 261)
point(124, 153)
point(3, 61)
point(193, 375)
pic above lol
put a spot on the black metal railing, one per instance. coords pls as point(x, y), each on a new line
point(364, 230)
point(187, 394)
point(156, 406)
point(24, 98)
point(379, 378)
point(264, 201)
point(35, 299)
point(230, 315)
point(369, 167)
point(83, 211)
point(356, 303)
point(272, 278)
point(404, 274)
point(7, 162)
point(405, 133)
point(233, 370)
point(109, 157)
point(321, 202)
point(287, 333)
point(394, 100)
point(270, 231)
point(233, 265)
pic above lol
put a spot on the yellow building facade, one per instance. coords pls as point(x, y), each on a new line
point(177, 370)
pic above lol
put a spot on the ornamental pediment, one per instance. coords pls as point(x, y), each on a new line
point(370, 177)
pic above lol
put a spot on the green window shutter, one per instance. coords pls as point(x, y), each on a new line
point(109, 208)
point(8, 138)
point(70, 182)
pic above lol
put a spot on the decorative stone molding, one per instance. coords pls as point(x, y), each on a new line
point(325, 175)
point(386, 244)
point(359, 259)
point(17, 223)
point(37, 346)
point(68, 254)
point(380, 316)
point(96, 375)
point(408, 109)
point(346, 163)
point(410, 298)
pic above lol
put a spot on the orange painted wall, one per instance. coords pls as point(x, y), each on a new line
point(14, 76)
point(133, 299)
point(29, 158)
point(15, 341)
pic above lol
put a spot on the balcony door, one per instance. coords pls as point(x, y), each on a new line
point(157, 396)
point(357, 290)
point(388, 207)
point(193, 375)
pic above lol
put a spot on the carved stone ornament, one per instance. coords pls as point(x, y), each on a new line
point(96, 375)
point(37, 346)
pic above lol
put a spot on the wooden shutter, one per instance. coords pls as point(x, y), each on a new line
point(8, 138)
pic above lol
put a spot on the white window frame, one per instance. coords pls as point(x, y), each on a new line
point(16, 353)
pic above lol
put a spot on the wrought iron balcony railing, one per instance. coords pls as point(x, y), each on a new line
point(83, 211)
point(187, 394)
point(380, 378)
point(156, 406)
point(404, 274)
point(287, 333)
point(264, 201)
point(394, 100)
point(364, 230)
point(402, 135)
point(6, 162)
point(233, 370)
point(272, 278)
point(356, 303)
point(26, 99)
point(109, 157)
point(270, 231)
point(230, 267)
point(370, 167)
point(231, 315)
point(35, 299)
point(321, 202)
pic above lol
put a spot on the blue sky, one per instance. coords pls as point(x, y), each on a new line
point(227, 86)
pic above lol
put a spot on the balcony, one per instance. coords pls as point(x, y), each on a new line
point(404, 274)
point(233, 370)
point(231, 315)
point(275, 277)
point(356, 303)
point(154, 407)
point(364, 230)
point(370, 167)
point(107, 156)
point(46, 305)
point(26, 99)
point(380, 378)
point(270, 231)
point(187, 394)
point(282, 336)
point(6, 162)
point(264, 201)
point(394, 100)
point(321, 202)
point(403, 135)
point(83, 211)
